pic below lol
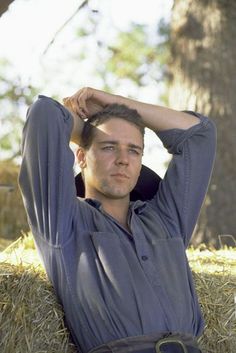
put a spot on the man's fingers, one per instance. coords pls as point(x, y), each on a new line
point(78, 103)
point(81, 102)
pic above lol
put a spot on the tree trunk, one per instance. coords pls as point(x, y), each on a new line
point(202, 78)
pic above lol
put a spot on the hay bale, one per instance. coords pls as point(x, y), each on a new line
point(215, 277)
point(31, 320)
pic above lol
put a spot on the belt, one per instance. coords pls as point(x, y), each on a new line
point(155, 343)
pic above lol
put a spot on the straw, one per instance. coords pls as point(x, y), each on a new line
point(31, 319)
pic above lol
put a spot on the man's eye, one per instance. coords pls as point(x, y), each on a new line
point(108, 148)
point(134, 151)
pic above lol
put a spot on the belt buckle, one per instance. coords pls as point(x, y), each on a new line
point(166, 340)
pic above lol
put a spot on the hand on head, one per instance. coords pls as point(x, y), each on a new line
point(85, 102)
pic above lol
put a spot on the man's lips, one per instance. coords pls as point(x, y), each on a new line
point(120, 175)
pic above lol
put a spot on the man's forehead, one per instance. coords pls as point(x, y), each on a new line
point(118, 134)
point(117, 126)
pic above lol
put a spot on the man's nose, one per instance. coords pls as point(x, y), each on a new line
point(122, 157)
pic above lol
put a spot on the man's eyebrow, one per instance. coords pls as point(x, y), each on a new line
point(113, 142)
point(132, 145)
point(110, 142)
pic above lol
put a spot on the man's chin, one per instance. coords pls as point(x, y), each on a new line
point(117, 194)
point(116, 191)
point(120, 197)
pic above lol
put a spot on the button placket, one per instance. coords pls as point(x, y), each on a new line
point(138, 238)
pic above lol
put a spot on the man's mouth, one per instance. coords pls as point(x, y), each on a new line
point(120, 175)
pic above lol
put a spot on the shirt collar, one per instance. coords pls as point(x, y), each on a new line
point(135, 206)
point(93, 202)
point(138, 206)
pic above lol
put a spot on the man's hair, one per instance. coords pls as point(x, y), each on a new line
point(110, 111)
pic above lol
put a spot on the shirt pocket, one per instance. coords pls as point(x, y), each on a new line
point(113, 258)
point(174, 276)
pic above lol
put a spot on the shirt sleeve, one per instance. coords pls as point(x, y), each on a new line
point(184, 186)
point(46, 177)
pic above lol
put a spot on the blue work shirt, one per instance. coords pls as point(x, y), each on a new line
point(112, 283)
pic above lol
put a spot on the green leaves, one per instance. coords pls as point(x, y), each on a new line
point(133, 57)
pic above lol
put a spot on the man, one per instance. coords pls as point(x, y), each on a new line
point(118, 267)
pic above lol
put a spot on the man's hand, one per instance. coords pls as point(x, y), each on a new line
point(88, 101)
point(84, 103)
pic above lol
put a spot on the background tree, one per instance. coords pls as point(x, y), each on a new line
point(203, 57)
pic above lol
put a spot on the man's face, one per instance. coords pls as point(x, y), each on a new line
point(112, 164)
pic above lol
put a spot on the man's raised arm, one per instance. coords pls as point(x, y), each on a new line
point(88, 101)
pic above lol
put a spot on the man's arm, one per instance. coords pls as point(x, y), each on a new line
point(183, 189)
point(88, 101)
point(78, 122)
point(46, 176)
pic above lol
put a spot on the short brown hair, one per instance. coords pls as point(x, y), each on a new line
point(110, 111)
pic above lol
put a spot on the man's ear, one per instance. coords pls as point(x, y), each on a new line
point(81, 157)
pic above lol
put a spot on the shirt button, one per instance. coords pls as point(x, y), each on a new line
point(144, 258)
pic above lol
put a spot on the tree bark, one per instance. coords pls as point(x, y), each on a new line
point(4, 6)
point(202, 78)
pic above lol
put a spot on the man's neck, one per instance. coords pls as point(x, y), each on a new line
point(117, 208)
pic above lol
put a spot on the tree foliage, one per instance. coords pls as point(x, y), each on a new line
point(15, 97)
point(138, 55)
point(132, 57)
